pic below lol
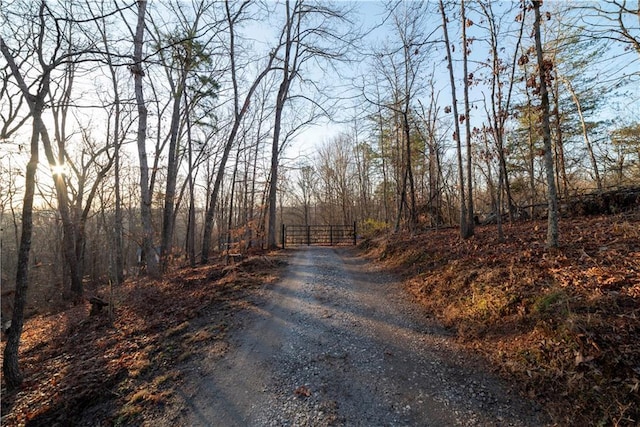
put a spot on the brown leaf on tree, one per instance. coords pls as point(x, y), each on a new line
point(532, 81)
point(523, 60)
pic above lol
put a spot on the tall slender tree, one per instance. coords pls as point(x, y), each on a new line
point(544, 70)
point(464, 229)
point(10, 366)
point(187, 54)
point(240, 108)
point(137, 69)
point(468, 79)
point(309, 33)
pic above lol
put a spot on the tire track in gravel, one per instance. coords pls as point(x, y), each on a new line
point(350, 336)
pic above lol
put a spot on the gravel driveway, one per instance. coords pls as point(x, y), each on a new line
point(336, 342)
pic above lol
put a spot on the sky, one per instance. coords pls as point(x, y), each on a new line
point(615, 62)
point(369, 16)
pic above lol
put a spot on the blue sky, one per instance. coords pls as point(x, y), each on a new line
point(615, 62)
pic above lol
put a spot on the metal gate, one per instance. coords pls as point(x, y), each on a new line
point(327, 235)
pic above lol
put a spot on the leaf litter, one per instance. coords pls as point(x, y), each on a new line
point(92, 370)
point(563, 323)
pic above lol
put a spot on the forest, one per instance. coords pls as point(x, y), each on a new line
point(139, 137)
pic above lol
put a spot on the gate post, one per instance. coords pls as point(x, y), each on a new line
point(331, 235)
point(308, 235)
point(283, 236)
point(355, 234)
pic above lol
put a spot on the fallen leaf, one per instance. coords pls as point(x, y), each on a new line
point(302, 391)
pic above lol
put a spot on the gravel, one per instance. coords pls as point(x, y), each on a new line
point(336, 342)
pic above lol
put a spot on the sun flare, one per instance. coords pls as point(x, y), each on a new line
point(59, 169)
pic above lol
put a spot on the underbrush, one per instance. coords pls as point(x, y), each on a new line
point(563, 323)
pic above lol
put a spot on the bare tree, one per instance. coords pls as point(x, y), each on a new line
point(36, 38)
point(616, 20)
point(42, 70)
point(500, 108)
point(310, 33)
point(429, 118)
point(585, 131)
point(182, 53)
point(11, 111)
point(10, 367)
point(400, 66)
point(36, 104)
point(468, 80)
point(464, 229)
point(240, 108)
point(544, 68)
point(137, 69)
point(117, 138)
point(289, 71)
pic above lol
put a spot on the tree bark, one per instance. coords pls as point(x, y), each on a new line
point(118, 274)
point(465, 50)
point(552, 217)
point(70, 244)
point(190, 245)
point(562, 184)
point(10, 365)
point(172, 176)
point(148, 248)
point(585, 133)
point(283, 92)
point(454, 101)
point(239, 113)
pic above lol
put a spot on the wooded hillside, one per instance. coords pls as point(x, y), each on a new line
point(562, 324)
point(140, 137)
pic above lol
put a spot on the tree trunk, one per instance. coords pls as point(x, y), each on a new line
point(239, 113)
point(413, 217)
point(145, 193)
point(585, 134)
point(552, 219)
point(532, 151)
point(117, 227)
point(283, 92)
point(231, 203)
point(117, 273)
point(561, 172)
point(464, 232)
point(384, 165)
point(254, 167)
point(172, 175)
point(470, 219)
point(190, 245)
point(73, 237)
point(273, 183)
point(10, 366)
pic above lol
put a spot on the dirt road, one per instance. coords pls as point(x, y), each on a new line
point(337, 343)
